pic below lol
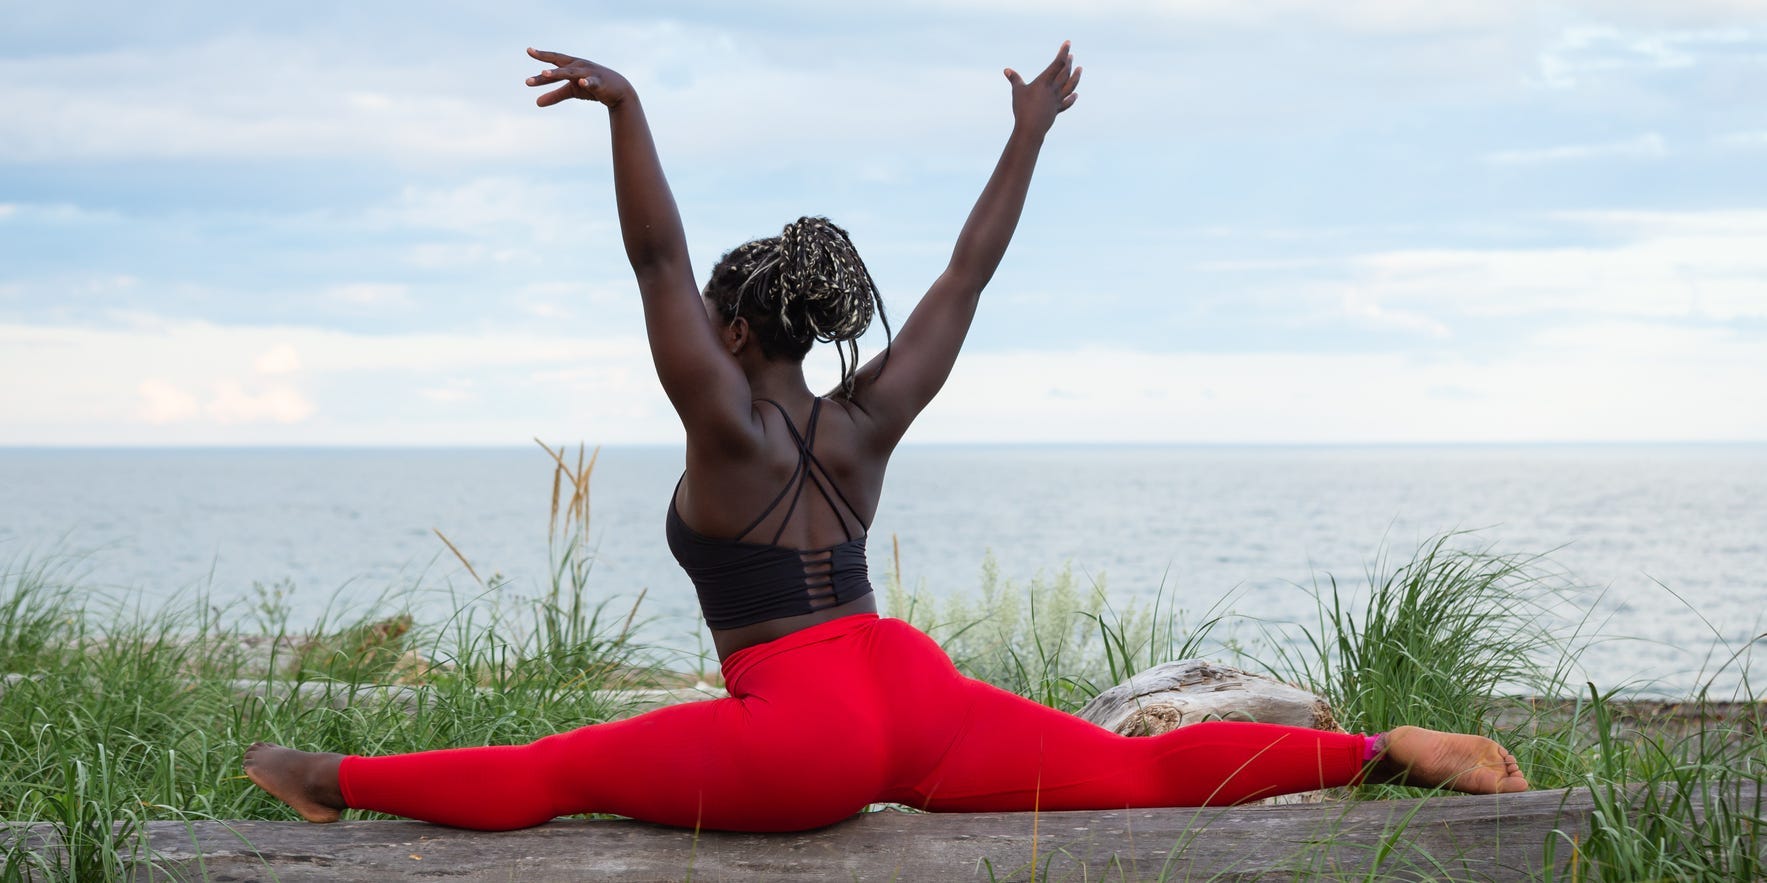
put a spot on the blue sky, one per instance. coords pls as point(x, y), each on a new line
point(1368, 221)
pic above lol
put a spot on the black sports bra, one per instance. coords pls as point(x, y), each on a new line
point(742, 583)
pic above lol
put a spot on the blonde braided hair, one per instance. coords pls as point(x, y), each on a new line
point(805, 285)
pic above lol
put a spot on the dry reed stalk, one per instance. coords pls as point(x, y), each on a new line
point(577, 489)
point(557, 457)
point(558, 472)
point(896, 556)
point(552, 517)
point(626, 629)
point(451, 548)
point(577, 508)
point(580, 499)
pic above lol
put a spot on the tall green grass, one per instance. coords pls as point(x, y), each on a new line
point(1451, 637)
point(1437, 640)
point(1686, 808)
point(1054, 639)
point(118, 715)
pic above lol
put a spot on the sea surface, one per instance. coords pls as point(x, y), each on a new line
point(1667, 543)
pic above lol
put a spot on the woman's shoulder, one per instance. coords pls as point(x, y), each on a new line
point(858, 428)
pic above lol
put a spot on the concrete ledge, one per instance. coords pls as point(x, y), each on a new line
point(1479, 838)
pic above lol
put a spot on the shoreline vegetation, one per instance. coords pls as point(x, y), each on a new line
point(113, 715)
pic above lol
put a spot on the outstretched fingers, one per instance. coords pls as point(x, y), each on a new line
point(1060, 74)
point(1051, 92)
point(547, 78)
point(1062, 77)
point(554, 58)
point(567, 76)
point(1062, 59)
point(1068, 95)
point(562, 93)
point(560, 72)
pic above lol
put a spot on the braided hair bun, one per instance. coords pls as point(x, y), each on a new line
point(805, 285)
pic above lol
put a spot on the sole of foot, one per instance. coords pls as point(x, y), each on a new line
point(1456, 761)
point(296, 778)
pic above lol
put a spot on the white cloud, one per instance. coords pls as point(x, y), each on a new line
point(103, 284)
point(233, 402)
point(207, 386)
point(305, 99)
point(1358, 305)
point(1603, 381)
point(1647, 146)
point(55, 213)
point(457, 255)
point(1685, 13)
point(1645, 223)
point(278, 360)
point(546, 310)
point(1587, 53)
point(453, 392)
point(1744, 140)
point(229, 402)
point(301, 99)
point(728, 105)
point(370, 294)
point(490, 206)
point(1355, 16)
point(1706, 265)
point(161, 402)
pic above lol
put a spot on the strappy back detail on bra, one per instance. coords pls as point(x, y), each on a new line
point(808, 469)
point(741, 583)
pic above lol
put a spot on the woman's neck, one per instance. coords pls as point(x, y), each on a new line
point(779, 381)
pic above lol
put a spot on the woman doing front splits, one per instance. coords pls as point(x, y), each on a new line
point(831, 708)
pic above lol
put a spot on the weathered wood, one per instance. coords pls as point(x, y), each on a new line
point(1189, 691)
point(1507, 837)
point(1669, 721)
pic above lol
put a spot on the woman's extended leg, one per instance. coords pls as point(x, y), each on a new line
point(728, 764)
point(800, 743)
point(714, 764)
point(1014, 754)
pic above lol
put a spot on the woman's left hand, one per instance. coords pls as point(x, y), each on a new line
point(1036, 103)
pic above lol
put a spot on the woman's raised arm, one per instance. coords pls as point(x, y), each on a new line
point(925, 349)
point(703, 381)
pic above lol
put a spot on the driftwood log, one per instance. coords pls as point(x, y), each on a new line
point(1190, 691)
point(1527, 836)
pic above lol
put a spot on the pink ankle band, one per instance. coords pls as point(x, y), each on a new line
point(1371, 747)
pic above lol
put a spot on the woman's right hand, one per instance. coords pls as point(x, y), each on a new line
point(1036, 103)
point(578, 78)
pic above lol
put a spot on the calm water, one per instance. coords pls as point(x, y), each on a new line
point(1641, 524)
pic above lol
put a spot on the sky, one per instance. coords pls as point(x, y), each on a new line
point(1265, 221)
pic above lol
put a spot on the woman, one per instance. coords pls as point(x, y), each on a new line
point(831, 708)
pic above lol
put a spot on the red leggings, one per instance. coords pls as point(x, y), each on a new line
point(824, 721)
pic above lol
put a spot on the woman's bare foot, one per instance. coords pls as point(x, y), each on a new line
point(304, 780)
point(1429, 759)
